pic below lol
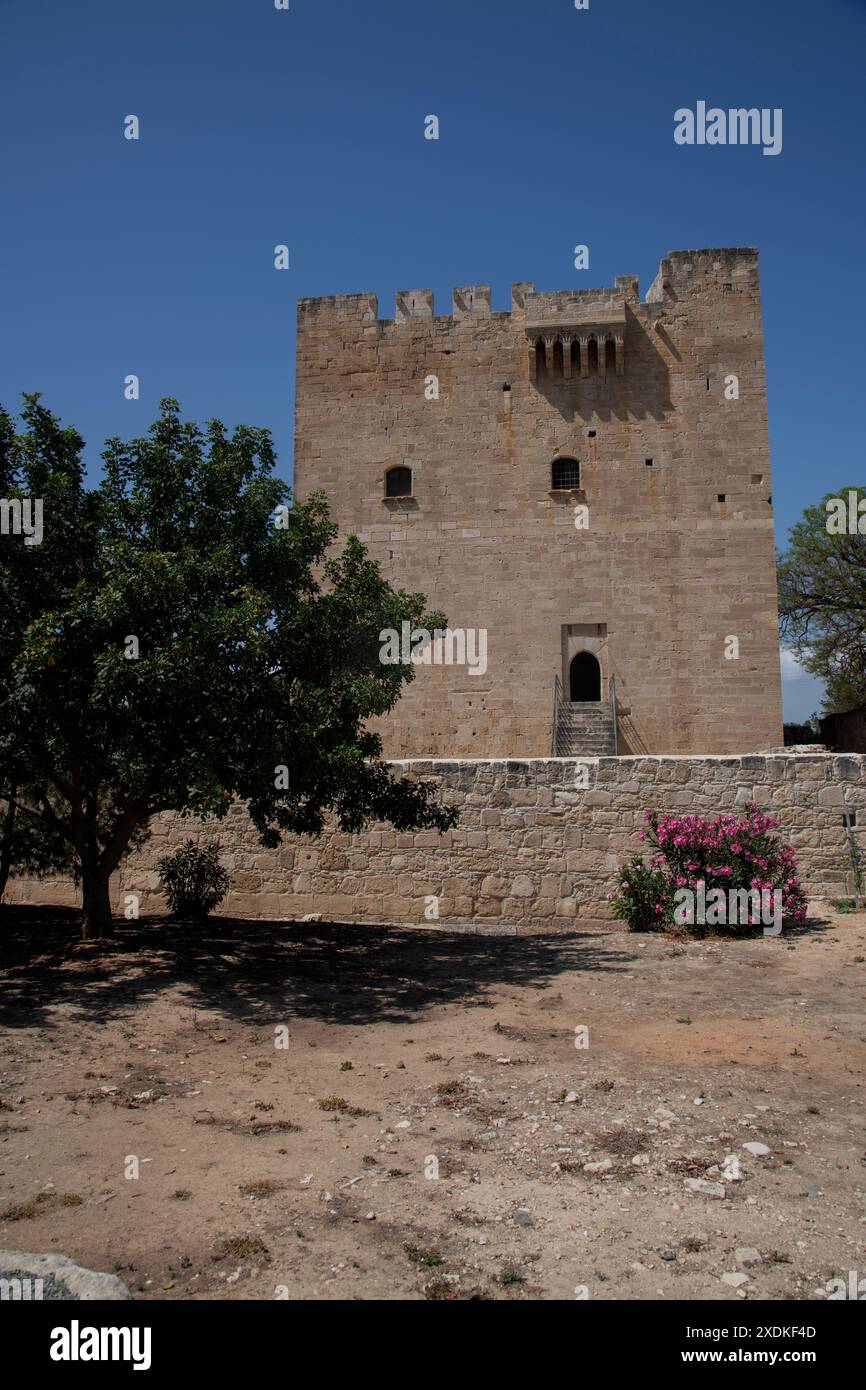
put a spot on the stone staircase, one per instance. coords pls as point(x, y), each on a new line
point(584, 730)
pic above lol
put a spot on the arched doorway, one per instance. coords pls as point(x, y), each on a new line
point(584, 678)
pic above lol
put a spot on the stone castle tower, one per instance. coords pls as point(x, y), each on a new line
point(587, 480)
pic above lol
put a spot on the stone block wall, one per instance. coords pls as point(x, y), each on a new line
point(535, 849)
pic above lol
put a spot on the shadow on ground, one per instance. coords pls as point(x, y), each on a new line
point(249, 969)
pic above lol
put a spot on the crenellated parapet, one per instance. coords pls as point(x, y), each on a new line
point(571, 335)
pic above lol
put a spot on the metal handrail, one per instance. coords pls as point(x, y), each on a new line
point(557, 701)
point(853, 854)
point(612, 688)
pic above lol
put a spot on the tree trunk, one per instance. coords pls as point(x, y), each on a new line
point(6, 848)
point(96, 921)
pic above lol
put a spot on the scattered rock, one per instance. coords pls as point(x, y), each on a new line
point(709, 1189)
point(735, 1280)
point(748, 1255)
point(759, 1150)
point(63, 1279)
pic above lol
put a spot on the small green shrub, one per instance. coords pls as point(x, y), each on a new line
point(193, 880)
point(639, 889)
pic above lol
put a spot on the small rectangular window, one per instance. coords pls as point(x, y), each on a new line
point(757, 479)
point(722, 497)
point(565, 475)
point(648, 462)
point(398, 482)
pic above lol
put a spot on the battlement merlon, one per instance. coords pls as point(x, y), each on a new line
point(325, 310)
point(685, 272)
point(691, 272)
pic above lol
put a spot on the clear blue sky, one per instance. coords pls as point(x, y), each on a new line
point(305, 127)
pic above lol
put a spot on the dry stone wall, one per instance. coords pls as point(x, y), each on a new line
point(534, 850)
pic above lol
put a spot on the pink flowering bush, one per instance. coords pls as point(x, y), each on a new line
point(689, 851)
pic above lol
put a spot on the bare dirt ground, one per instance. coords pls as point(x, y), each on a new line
point(308, 1171)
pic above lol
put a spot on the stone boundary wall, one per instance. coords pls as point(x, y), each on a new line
point(533, 850)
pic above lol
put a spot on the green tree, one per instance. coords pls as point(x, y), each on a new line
point(26, 843)
point(822, 596)
point(181, 637)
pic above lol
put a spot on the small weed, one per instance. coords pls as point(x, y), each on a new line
point(261, 1187)
point(244, 1247)
point(691, 1167)
point(625, 1143)
point(419, 1256)
point(439, 1289)
point(256, 1127)
point(24, 1211)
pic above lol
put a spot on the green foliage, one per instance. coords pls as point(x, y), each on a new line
point(258, 645)
point(639, 889)
point(822, 604)
point(30, 846)
point(193, 880)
